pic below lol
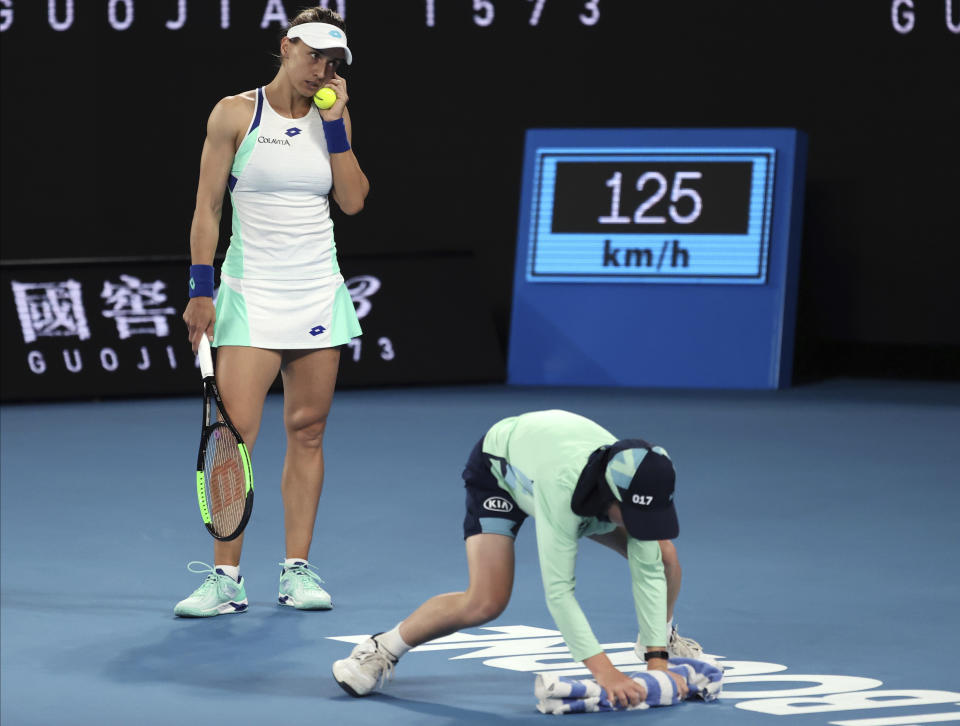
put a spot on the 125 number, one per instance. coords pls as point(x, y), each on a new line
point(660, 187)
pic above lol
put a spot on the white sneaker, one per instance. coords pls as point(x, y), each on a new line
point(369, 665)
point(680, 647)
point(677, 647)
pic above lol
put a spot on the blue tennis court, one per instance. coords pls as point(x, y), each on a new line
point(819, 540)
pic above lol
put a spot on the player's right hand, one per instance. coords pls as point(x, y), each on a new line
point(199, 317)
point(620, 689)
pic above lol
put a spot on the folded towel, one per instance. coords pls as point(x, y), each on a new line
point(559, 706)
point(548, 685)
point(562, 694)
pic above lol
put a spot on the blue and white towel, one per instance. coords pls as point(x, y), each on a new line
point(560, 706)
point(562, 694)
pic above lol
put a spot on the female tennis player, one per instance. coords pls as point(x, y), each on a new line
point(576, 480)
point(282, 304)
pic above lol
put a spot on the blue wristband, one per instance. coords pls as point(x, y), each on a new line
point(201, 280)
point(336, 133)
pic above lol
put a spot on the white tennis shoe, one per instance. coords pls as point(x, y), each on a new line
point(677, 647)
point(680, 647)
point(366, 669)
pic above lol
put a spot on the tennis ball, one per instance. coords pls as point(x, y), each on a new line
point(325, 98)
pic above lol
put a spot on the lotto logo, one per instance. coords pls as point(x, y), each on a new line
point(498, 504)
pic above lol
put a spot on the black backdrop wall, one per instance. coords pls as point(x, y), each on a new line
point(105, 102)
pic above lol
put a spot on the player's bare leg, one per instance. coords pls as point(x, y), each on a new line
point(673, 573)
point(309, 378)
point(617, 541)
point(490, 560)
point(244, 376)
point(677, 644)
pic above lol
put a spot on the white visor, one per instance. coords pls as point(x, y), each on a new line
point(321, 36)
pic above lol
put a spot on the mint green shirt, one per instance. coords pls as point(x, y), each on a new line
point(545, 452)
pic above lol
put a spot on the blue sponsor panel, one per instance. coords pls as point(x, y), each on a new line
point(658, 257)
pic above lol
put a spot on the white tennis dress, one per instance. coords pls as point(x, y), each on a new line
point(281, 286)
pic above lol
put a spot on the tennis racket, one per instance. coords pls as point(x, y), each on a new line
point(224, 474)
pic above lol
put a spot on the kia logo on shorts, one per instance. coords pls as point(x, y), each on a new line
point(498, 504)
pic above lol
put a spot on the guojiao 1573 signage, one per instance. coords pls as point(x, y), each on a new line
point(114, 328)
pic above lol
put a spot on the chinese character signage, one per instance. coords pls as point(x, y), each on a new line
point(50, 310)
point(93, 330)
point(135, 306)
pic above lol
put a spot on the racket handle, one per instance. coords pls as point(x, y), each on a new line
point(203, 355)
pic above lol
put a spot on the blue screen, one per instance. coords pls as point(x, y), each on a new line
point(657, 257)
point(644, 215)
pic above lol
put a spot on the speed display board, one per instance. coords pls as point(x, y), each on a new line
point(658, 257)
point(651, 215)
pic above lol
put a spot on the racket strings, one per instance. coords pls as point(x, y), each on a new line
point(226, 485)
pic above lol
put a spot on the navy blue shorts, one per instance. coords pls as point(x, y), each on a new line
point(490, 509)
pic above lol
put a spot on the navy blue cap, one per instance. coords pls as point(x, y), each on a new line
point(642, 478)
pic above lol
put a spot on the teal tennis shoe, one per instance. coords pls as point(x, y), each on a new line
point(217, 595)
point(300, 587)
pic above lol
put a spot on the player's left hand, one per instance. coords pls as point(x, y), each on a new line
point(682, 688)
point(339, 86)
